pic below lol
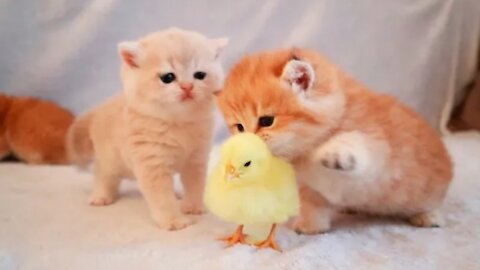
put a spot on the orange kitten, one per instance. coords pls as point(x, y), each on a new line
point(33, 130)
point(161, 124)
point(352, 148)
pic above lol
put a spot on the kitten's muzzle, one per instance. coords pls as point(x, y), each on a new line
point(187, 89)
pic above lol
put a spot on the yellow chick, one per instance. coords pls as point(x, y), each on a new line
point(250, 186)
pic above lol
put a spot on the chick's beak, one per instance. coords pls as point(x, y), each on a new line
point(231, 173)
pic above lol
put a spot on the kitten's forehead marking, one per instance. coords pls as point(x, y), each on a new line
point(180, 64)
point(178, 51)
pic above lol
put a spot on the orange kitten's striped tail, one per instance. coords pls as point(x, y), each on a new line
point(79, 144)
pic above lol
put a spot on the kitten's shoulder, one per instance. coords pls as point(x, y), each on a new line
point(108, 113)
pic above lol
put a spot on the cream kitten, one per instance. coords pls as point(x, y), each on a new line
point(161, 124)
point(352, 148)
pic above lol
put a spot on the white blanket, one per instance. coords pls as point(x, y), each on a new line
point(45, 223)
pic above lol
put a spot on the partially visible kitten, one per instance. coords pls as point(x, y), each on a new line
point(352, 148)
point(33, 130)
point(161, 124)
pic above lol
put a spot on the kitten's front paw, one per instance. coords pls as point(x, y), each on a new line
point(101, 199)
point(173, 223)
point(191, 207)
point(337, 157)
point(308, 226)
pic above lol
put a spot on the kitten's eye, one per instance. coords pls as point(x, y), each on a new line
point(247, 163)
point(266, 121)
point(199, 75)
point(167, 78)
point(240, 127)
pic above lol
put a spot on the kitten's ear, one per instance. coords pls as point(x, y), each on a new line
point(299, 75)
point(129, 52)
point(218, 44)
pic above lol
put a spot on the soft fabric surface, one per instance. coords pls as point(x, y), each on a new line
point(419, 51)
point(45, 223)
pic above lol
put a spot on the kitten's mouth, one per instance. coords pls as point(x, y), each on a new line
point(187, 97)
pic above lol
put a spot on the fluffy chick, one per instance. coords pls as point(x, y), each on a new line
point(250, 186)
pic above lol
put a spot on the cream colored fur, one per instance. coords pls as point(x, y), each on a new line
point(154, 129)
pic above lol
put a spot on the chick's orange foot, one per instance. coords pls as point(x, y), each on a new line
point(270, 242)
point(237, 237)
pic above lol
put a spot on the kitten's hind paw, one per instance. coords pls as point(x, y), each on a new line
point(303, 226)
point(427, 220)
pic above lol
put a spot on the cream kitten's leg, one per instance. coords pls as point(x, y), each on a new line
point(105, 188)
point(355, 153)
point(157, 188)
point(428, 219)
point(315, 213)
point(193, 179)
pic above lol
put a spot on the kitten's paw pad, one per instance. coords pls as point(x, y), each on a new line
point(303, 226)
point(192, 208)
point(100, 201)
point(337, 158)
point(427, 220)
point(176, 223)
point(349, 152)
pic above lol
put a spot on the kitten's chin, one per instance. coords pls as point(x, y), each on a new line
point(187, 108)
point(286, 151)
point(175, 110)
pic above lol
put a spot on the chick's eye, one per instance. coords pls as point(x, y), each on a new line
point(266, 121)
point(167, 77)
point(247, 163)
point(240, 127)
point(199, 75)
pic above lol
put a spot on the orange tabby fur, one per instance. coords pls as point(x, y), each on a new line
point(351, 148)
point(33, 130)
point(155, 128)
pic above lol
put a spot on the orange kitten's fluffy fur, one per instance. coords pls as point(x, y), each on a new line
point(33, 130)
point(161, 124)
point(352, 148)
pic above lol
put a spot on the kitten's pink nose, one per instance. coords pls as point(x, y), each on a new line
point(186, 87)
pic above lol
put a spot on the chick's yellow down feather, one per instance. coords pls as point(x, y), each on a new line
point(249, 185)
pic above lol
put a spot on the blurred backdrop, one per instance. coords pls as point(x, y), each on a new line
point(421, 51)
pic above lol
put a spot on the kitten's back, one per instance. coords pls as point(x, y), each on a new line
point(35, 130)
